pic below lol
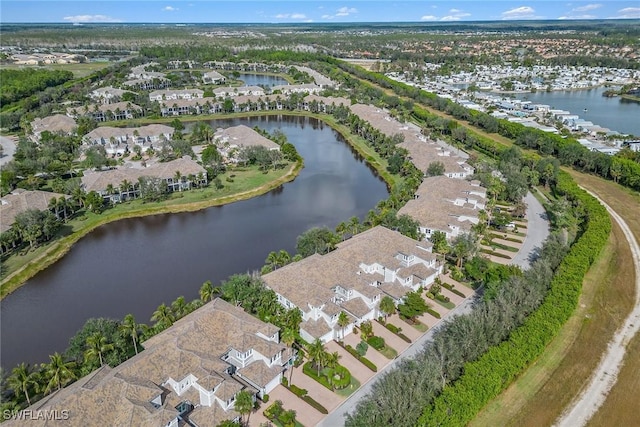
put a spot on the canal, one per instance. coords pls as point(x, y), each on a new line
point(134, 265)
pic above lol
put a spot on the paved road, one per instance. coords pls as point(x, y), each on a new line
point(337, 417)
point(537, 232)
point(9, 148)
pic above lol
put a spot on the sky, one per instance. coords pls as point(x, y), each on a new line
point(271, 11)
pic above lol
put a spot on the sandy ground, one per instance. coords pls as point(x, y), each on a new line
point(605, 376)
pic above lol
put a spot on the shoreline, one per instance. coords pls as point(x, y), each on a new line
point(61, 247)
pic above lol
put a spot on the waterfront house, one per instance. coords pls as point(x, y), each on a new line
point(118, 141)
point(189, 374)
point(172, 94)
point(213, 77)
point(20, 200)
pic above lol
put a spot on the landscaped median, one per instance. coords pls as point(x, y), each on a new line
point(250, 184)
point(488, 376)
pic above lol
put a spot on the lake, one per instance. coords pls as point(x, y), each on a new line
point(134, 265)
point(614, 113)
point(251, 79)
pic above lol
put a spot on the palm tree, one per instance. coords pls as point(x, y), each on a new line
point(206, 291)
point(130, 327)
point(179, 307)
point(163, 316)
point(288, 337)
point(283, 257)
point(244, 405)
point(317, 354)
point(58, 371)
point(332, 359)
point(343, 321)
point(387, 306)
point(21, 379)
point(96, 345)
point(367, 329)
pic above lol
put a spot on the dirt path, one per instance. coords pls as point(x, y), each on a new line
point(605, 376)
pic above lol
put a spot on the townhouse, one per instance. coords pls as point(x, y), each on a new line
point(57, 123)
point(189, 374)
point(451, 206)
point(20, 200)
point(118, 141)
point(161, 95)
point(229, 91)
point(213, 77)
point(353, 278)
point(108, 95)
point(231, 139)
point(107, 112)
point(121, 184)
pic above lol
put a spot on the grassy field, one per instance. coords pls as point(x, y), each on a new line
point(540, 395)
point(78, 70)
point(247, 183)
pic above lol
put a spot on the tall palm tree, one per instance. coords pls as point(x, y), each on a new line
point(21, 379)
point(317, 354)
point(97, 345)
point(130, 327)
point(163, 316)
point(343, 321)
point(244, 405)
point(58, 371)
point(288, 337)
point(206, 291)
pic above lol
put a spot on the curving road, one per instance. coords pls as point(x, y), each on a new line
point(606, 374)
point(8, 149)
point(537, 232)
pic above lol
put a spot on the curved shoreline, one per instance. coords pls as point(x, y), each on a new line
point(60, 248)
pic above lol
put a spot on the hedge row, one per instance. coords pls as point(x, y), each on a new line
point(302, 394)
point(496, 254)
point(453, 289)
point(487, 377)
point(396, 330)
point(434, 313)
point(366, 362)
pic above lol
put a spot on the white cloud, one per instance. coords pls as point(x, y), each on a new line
point(91, 18)
point(170, 9)
point(586, 8)
point(343, 11)
point(455, 15)
point(291, 16)
point(522, 12)
point(429, 18)
point(585, 16)
point(628, 13)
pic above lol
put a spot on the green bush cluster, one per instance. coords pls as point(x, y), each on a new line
point(486, 377)
point(376, 342)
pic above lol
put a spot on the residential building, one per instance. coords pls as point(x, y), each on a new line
point(213, 77)
point(230, 139)
point(122, 140)
point(189, 374)
point(107, 112)
point(178, 175)
point(108, 95)
point(353, 278)
point(170, 94)
point(301, 88)
point(229, 91)
point(20, 200)
point(448, 205)
point(57, 123)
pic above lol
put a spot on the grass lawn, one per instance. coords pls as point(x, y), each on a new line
point(543, 391)
point(448, 305)
point(388, 352)
point(247, 183)
point(418, 325)
point(350, 389)
point(78, 70)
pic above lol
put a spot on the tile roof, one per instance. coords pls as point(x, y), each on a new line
point(19, 201)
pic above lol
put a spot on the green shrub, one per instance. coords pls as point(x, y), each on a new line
point(340, 377)
point(376, 342)
point(368, 363)
point(297, 390)
point(315, 404)
point(362, 348)
point(265, 398)
point(434, 313)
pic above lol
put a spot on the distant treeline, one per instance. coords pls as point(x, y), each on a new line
point(18, 84)
point(200, 53)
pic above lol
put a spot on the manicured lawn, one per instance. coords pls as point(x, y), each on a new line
point(247, 182)
point(350, 389)
point(448, 305)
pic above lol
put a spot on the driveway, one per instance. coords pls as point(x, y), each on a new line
point(337, 417)
point(305, 413)
point(537, 232)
